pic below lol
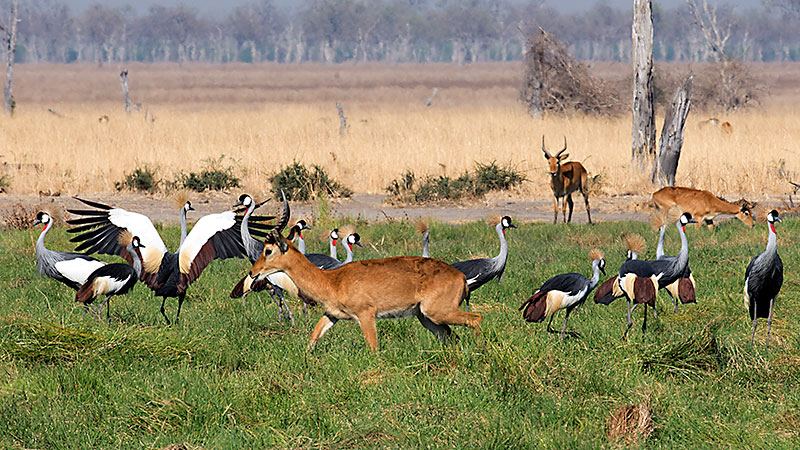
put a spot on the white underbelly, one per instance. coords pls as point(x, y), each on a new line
point(397, 314)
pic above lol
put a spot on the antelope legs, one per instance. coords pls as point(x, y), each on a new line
point(367, 322)
point(586, 201)
point(555, 210)
point(571, 206)
point(324, 324)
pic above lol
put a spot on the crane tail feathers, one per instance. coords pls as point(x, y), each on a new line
point(608, 291)
point(85, 293)
point(534, 307)
point(644, 290)
point(686, 291)
point(238, 290)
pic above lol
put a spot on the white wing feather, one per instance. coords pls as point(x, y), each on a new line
point(139, 225)
point(203, 230)
point(78, 270)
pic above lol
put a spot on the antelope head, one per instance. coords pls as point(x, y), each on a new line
point(745, 213)
point(555, 161)
point(275, 245)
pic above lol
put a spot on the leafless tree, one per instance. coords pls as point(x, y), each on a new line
point(644, 122)
point(9, 35)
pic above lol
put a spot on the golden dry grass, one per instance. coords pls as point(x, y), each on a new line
point(273, 122)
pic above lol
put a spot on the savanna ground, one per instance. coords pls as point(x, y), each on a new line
point(231, 375)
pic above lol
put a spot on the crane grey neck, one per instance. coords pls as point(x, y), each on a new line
point(595, 274)
point(301, 244)
point(333, 248)
point(660, 247)
point(137, 259)
point(349, 251)
point(43, 255)
point(425, 237)
point(183, 225)
point(772, 241)
point(244, 230)
point(503, 255)
point(683, 256)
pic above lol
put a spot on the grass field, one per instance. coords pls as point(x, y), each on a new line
point(231, 376)
point(264, 117)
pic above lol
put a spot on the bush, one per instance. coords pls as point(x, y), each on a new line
point(141, 179)
point(485, 178)
point(216, 177)
point(5, 183)
point(302, 184)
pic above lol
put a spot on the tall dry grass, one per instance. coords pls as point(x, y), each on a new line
point(390, 132)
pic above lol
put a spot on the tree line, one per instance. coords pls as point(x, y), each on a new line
point(335, 31)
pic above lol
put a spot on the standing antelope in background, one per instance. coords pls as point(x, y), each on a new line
point(363, 291)
point(565, 179)
point(702, 204)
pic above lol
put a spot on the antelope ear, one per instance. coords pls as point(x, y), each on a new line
point(563, 157)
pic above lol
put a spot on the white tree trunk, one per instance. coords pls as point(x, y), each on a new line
point(643, 138)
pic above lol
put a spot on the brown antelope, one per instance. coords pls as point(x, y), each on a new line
point(702, 204)
point(363, 291)
point(564, 180)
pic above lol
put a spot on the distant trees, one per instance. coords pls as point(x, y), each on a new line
point(333, 31)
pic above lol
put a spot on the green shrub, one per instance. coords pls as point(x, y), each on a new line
point(141, 179)
point(485, 178)
point(5, 183)
point(216, 176)
point(300, 183)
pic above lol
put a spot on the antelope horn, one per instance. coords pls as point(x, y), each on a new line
point(563, 149)
point(284, 216)
point(546, 153)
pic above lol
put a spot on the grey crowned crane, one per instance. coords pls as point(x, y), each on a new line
point(113, 279)
point(763, 279)
point(72, 269)
point(564, 291)
point(641, 280)
point(684, 287)
point(214, 236)
point(424, 230)
point(325, 262)
point(275, 283)
point(481, 271)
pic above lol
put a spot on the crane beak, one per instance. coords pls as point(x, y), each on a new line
point(359, 244)
point(778, 219)
point(237, 204)
point(512, 226)
point(37, 222)
point(692, 220)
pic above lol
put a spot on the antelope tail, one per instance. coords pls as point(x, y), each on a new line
point(535, 307)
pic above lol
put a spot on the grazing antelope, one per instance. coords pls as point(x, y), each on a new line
point(567, 290)
point(72, 269)
point(564, 180)
point(396, 287)
point(482, 270)
point(113, 279)
point(763, 279)
point(214, 236)
point(702, 204)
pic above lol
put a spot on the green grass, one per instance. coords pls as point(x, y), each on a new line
point(232, 376)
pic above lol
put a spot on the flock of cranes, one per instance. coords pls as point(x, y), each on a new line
point(366, 290)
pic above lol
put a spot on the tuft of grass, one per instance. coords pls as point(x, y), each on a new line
point(142, 179)
point(301, 184)
point(482, 180)
point(630, 424)
point(689, 357)
point(215, 177)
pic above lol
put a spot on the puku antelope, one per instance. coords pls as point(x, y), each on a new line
point(763, 279)
point(567, 290)
point(214, 236)
point(113, 279)
point(400, 286)
point(564, 180)
point(702, 204)
point(72, 269)
point(482, 270)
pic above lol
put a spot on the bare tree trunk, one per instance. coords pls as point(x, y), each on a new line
point(342, 119)
point(124, 76)
point(666, 164)
point(11, 50)
point(643, 139)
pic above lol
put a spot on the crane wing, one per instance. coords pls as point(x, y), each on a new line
point(213, 236)
point(100, 229)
